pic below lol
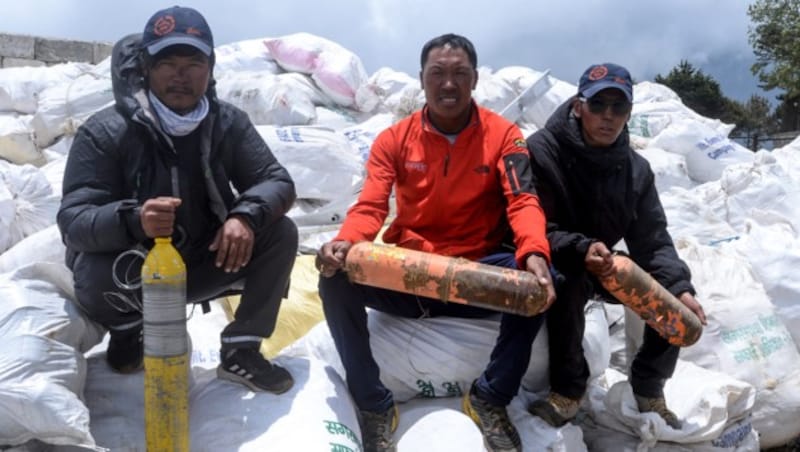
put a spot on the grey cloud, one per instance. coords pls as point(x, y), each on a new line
point(647, 36)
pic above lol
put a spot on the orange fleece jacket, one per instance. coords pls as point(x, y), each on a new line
point(452, 199)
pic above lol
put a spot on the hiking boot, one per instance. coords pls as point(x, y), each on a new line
point(659, 406)
point(499, 434)
point(556, 410)
point(248, 367)
point(377, 429)
point(125, 352)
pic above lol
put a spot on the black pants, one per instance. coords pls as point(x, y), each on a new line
point(654, 362)
point(344, 304)
point(263, 282)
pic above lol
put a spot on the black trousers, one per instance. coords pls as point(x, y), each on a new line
point(345, 305)
point(263, 283)
point(569, 373)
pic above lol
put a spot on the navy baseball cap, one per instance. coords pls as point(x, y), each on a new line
point(177, 25)
point(602, 76)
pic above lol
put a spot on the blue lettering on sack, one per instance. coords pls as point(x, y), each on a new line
point(711, 143)
point(722, 150)
point(708, 142)
point(362, 140)
point(292, 134)
point(733, 437)
point(283, 135)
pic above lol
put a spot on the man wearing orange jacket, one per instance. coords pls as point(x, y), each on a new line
point(462, 181)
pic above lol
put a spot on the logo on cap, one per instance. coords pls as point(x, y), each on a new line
point(177, 26)
point(164, 25)
point(598, 72)
point(598, 77)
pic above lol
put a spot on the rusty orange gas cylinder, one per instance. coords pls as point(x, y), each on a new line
point(447, 279)
point(636, 289)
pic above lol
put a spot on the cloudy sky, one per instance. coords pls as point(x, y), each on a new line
point(649, 37)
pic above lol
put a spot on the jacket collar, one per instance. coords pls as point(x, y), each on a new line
point(429, 127)
point(566, 129)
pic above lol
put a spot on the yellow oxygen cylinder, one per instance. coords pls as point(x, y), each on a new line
point(166, 349)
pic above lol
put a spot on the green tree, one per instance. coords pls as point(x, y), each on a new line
point(774, 35)
point(702, 93)
point(787, 113)
point(697, 90)
point(754, 120)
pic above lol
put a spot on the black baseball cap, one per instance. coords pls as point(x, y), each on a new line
point(177, 25)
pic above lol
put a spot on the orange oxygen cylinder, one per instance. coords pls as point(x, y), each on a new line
point(447, 279)
point(636, 289)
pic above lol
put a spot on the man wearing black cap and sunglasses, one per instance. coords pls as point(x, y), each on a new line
point(595, 191)
point(170, 159)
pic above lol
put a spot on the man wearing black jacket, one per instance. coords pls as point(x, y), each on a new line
point(595, 190)
point(170, 159)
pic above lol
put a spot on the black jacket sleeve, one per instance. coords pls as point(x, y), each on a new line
point(266, 190)
point(567, 248)
point(650, 244)
point(93, 216)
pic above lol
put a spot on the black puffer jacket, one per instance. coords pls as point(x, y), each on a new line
point(601, 195)
point(120, 158)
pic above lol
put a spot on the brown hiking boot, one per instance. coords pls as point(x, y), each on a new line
point(659, 406)
point(377, 429)
point(556, 410)
point(499, 434)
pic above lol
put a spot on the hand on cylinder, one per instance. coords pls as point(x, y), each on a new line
point(330, 258)
point(158, 216)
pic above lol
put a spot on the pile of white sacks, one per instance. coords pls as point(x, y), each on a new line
point(732, 213)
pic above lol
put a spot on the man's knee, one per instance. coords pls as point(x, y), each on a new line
point(286, 230)
point(340, 298)
point(281, 234)
point(274, 250)
point(334, 288)
point(99, 287)
point(523, 327)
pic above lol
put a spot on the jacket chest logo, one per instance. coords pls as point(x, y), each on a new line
point(420, 167)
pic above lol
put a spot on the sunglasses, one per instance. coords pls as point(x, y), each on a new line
point(598, 106)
